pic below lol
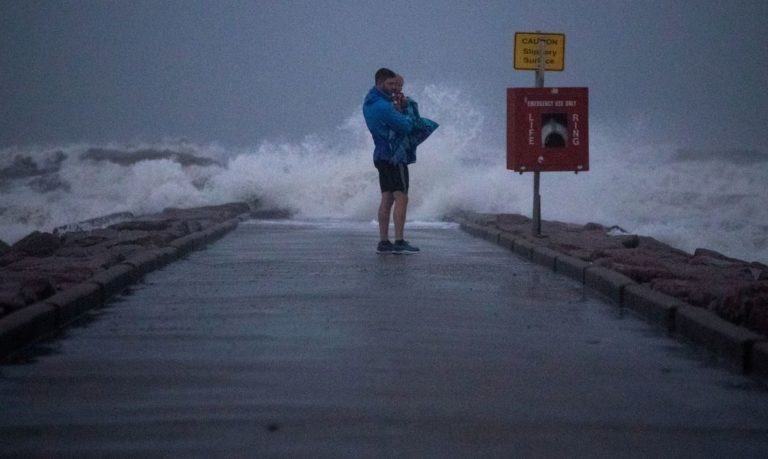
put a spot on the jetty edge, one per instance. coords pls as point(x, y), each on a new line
point(48, 280)
point(705, 298)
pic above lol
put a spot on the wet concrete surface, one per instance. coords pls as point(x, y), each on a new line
point(297, 340)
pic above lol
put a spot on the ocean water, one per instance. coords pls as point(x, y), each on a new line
point(717, 199)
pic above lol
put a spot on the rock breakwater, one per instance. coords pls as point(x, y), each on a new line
point(43, 266)
point(735, 290)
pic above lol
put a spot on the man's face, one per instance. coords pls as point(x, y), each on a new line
point(389, 85)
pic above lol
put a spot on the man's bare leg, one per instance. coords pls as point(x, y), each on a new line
point(385, 209)
point(401, 207)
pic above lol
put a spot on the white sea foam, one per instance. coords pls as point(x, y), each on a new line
point(688, 200)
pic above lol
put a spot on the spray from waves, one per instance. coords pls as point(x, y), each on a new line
point(689, 199)
point(328, 175)
point(332, 176)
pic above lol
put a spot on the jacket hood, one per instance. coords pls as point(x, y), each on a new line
point(375, 95)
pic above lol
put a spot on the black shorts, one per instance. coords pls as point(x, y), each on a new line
point(392, 177)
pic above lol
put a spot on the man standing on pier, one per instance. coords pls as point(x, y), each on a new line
point(382, 117)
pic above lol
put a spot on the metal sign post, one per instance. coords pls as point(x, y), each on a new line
point(536, 229)
point(539, 51)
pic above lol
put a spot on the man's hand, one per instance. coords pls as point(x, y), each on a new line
point(398, 99)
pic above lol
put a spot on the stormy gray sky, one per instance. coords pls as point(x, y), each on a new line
point(237, 72)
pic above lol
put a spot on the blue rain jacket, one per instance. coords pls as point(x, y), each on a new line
point(381, 117)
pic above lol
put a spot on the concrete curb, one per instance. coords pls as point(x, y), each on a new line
point(26, 325)
point(544, 256)
point(719, 336)
point(167, 255)
point(653, 305)
point(492, 236)
point(74, 301)
point(742, 349)
point(473, 229)
point(115, 279)
point(187, 243)
point(523, 248)
point(572, 267)
point(147, 261)
point(609, 283)
point(40, 320)
point(507, 241)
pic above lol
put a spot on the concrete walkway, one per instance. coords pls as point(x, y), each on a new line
point(297, 340)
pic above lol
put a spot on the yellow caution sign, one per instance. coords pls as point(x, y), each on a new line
point(531, 47)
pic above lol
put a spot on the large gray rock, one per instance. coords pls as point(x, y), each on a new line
point(38, 244)
point(20, 290)
point(142, 225)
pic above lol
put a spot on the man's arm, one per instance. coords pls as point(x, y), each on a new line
point(396, 121)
